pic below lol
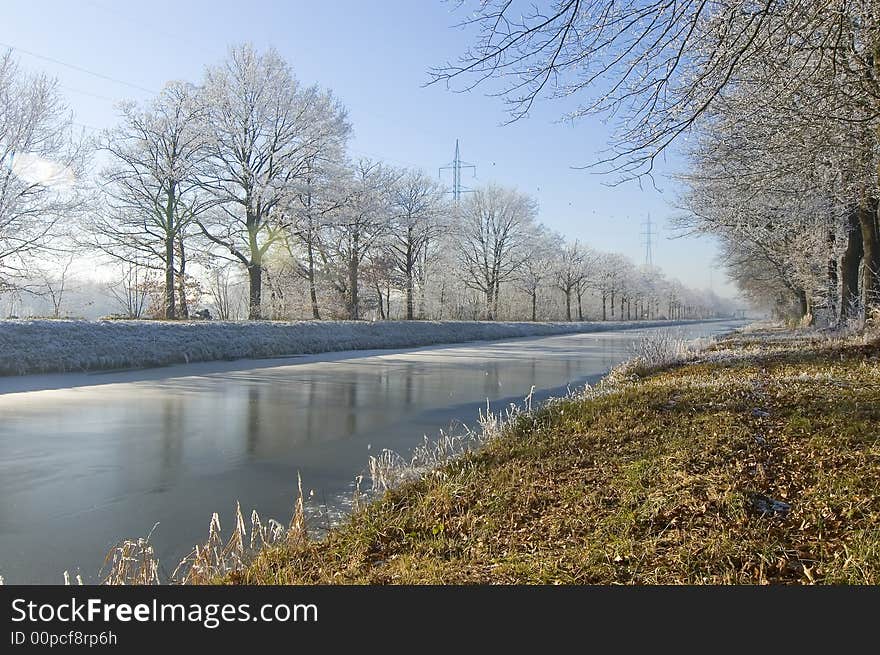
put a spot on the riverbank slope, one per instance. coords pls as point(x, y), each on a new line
point(757, 462)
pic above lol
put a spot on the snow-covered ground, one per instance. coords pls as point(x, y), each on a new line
point(41, 346)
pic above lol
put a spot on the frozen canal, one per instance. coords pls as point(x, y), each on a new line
point(88, 459)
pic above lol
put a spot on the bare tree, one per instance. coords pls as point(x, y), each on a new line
point(361, 223)
point(41, 168)
point(570, 270)
point(151, 189)
point(417, 205)
point(56, 284)
point(494, 224)
point(264, 129)
point(132, 289)
point(537, 266)
point(320, 195)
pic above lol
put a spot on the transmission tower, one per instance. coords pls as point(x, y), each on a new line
point(647, 235)
point(456, 166)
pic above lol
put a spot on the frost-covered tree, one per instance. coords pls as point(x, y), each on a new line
point(264, 130)
point(151, 189)
point(537, 267)
point(571, 270)
point(494, 225)
point(41, 168)
point(319, 196)
point(362, 222)
point(418, 209)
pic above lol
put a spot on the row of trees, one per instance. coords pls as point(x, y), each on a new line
point(239, 190)
point(776, 104)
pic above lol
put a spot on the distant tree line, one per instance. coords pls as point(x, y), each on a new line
point(775, 104)
point(239, 193)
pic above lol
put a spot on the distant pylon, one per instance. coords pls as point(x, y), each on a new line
point(455, 166)
point(647, 234)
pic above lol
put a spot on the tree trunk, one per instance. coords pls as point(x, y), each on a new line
point(313, 291)
point(410, 265)
point(255, 280)
point(170, 227)
point(870, 254)
point(803, 304)
point(580, 306)
point(442, 300)
point(410, 313)
point(534, 305)
point(833, 279)
point(849, 267)
point(604, 314)
point(568, 304)
point(353, 300)
point(170, 310)
point(381, 305)
point(181, 281)
point(423, 282)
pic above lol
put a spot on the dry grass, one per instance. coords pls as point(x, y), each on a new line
point(758, 463)
point(134, 561)
point(658, 350)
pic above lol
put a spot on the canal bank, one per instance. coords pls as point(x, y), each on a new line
point(29, 347)
point(757, 463)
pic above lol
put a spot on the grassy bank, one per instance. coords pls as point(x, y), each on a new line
point(759, 462)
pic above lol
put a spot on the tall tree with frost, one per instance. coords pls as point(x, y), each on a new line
point(537, 266)
point(417, 206)
point(494, 224)
point(264, 128)
point(41, 168)
point(319, 196)
point(151, 187)
point(361, 223)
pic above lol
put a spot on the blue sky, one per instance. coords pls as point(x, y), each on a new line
point(375, 56)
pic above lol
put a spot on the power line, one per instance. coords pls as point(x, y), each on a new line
point(456, 165)
point(121, 18)
point(79, 68)
point(86, 127)
point(88, 93)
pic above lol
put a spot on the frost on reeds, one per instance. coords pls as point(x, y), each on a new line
point(389, 469)
point(134, 561)
point(657, 350)
point(77, 579)
point(131, 561)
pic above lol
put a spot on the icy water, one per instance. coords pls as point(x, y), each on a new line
point(91, 459)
